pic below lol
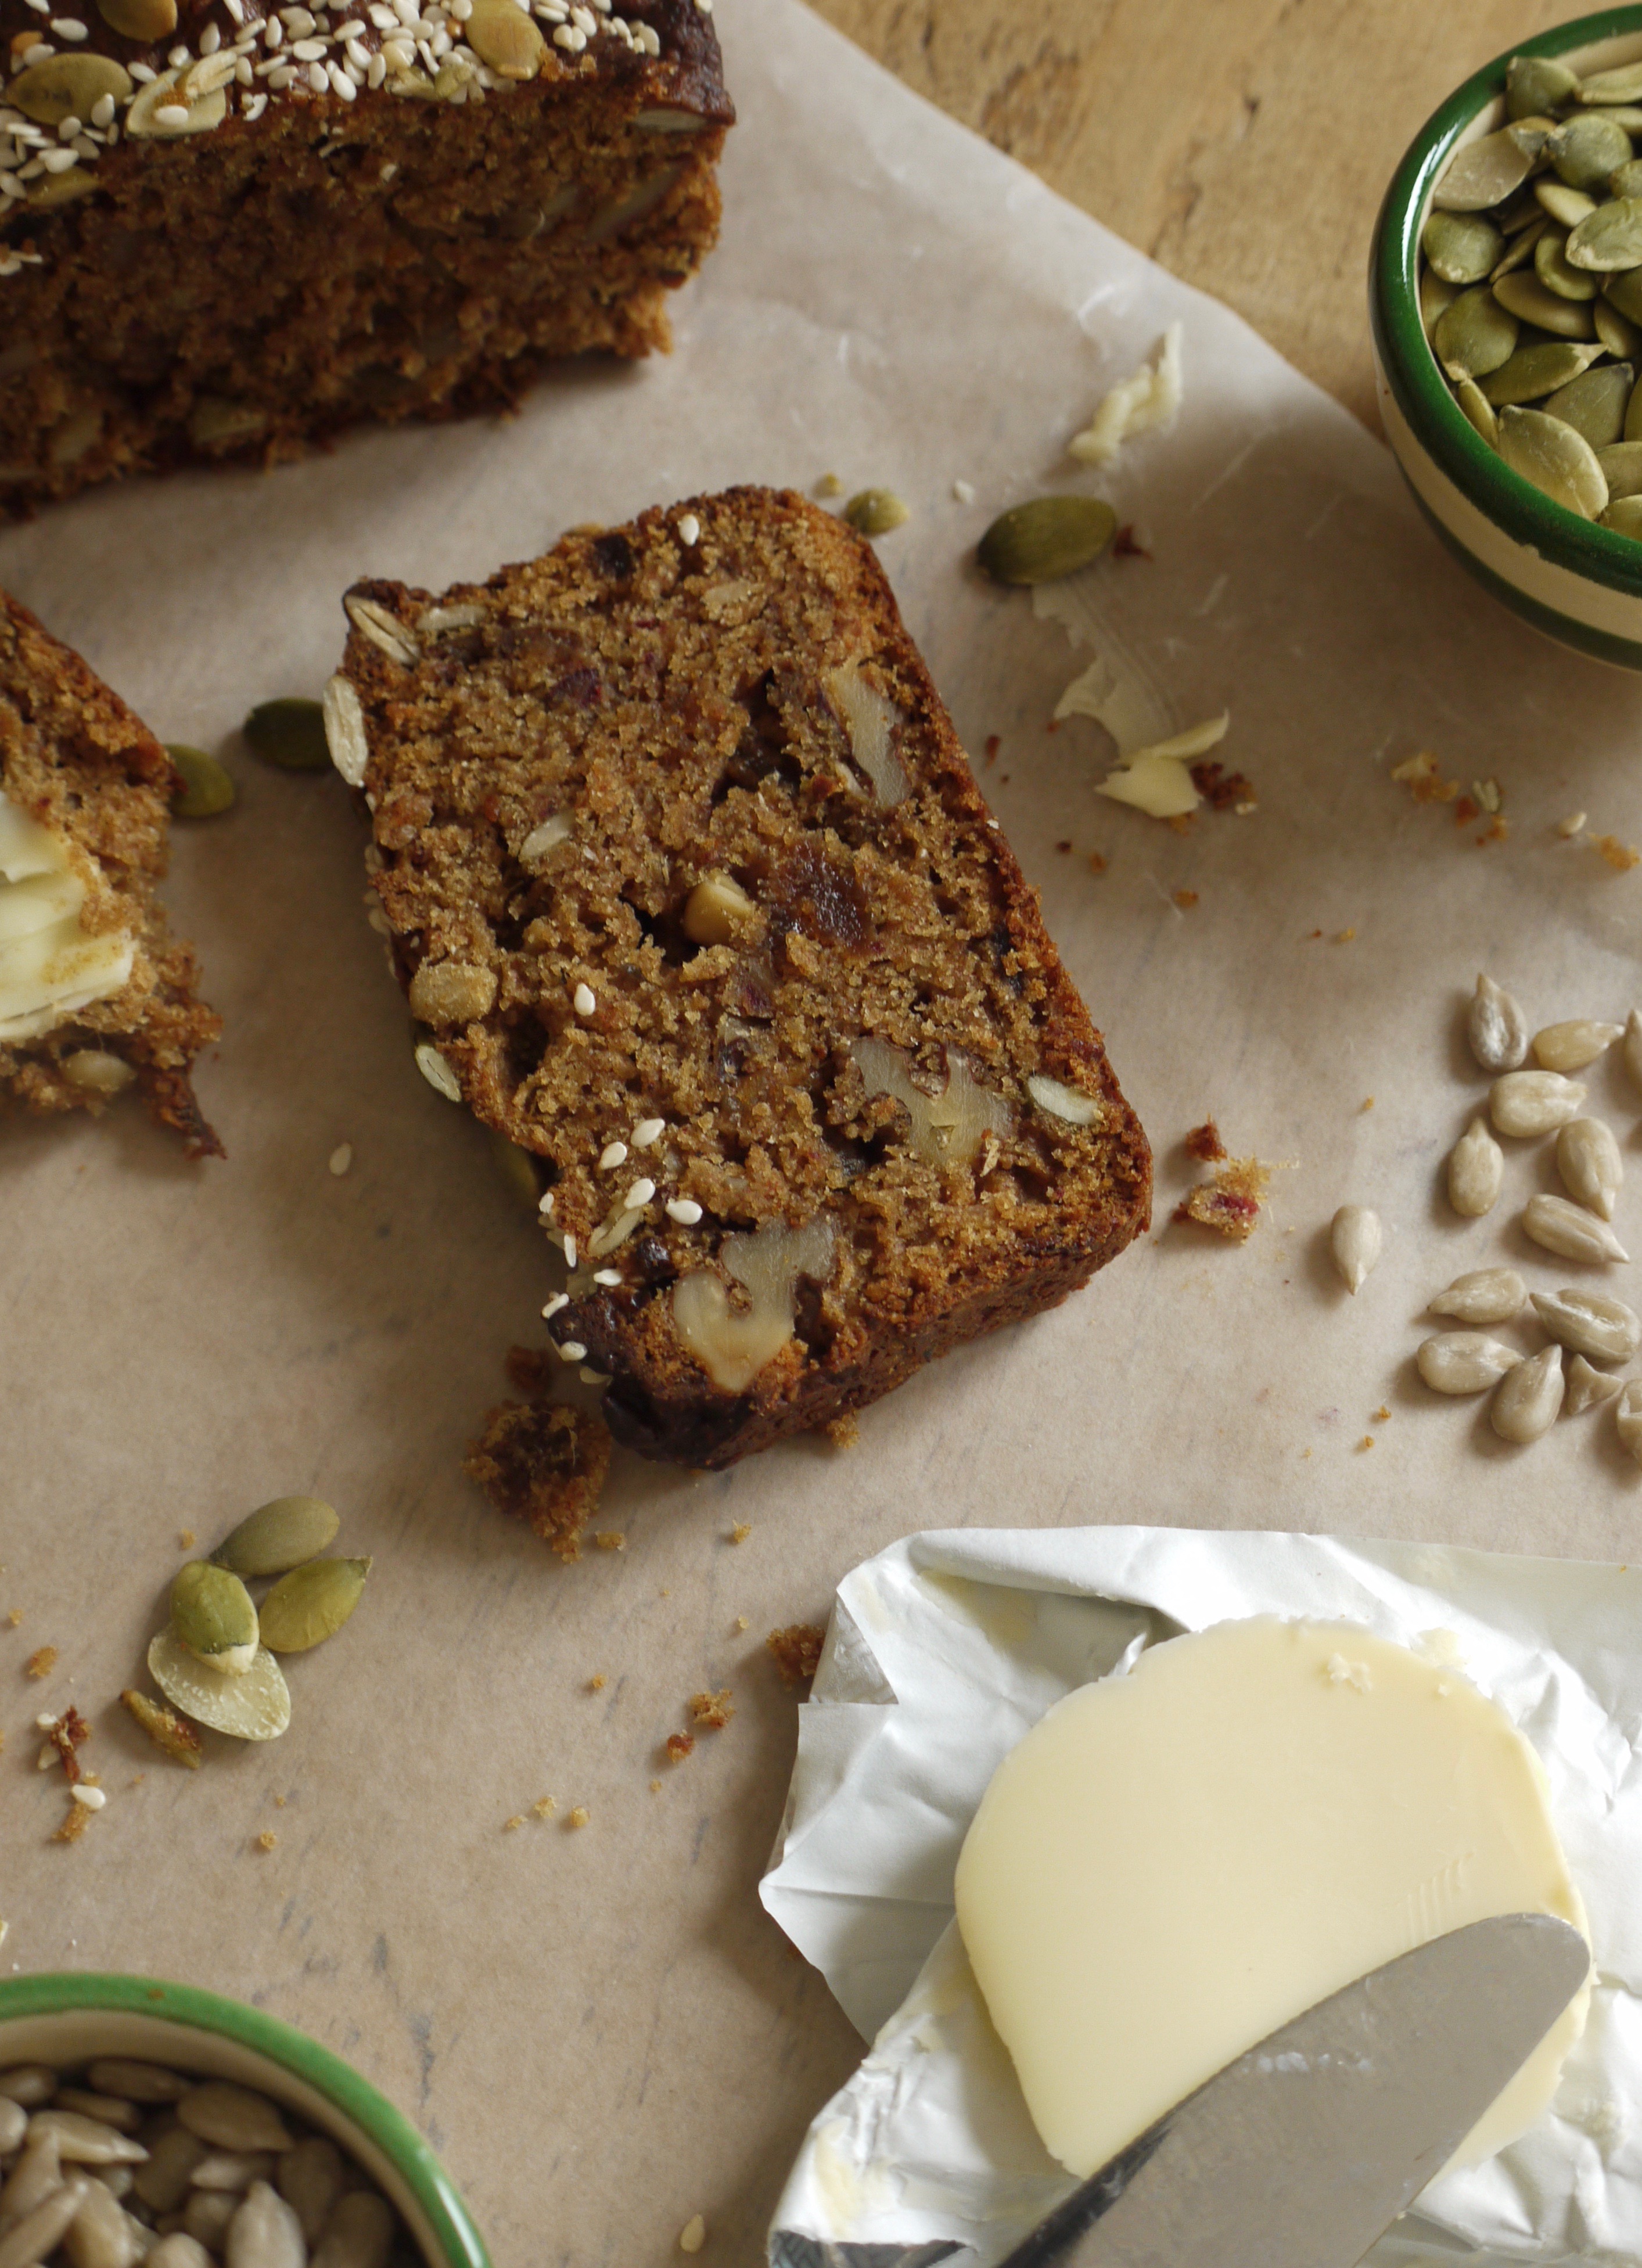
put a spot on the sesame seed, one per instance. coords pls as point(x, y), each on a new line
point(340, 79)
point(582, 1001)
point(44, 1722)
point(357, 53)
point(309, 51)
point(66, 28)
point(639, 1195)
point(255, 105)
point(614, 1153)
point(317, 78)
point(559, 1300)
point(280, 75)
point(689, 531)
point(569, 38)
point(376, 71)
point(143, 73)
point(60, 161)
point(180, 58)
point(69, 128)
point(93, 1798)
point(606, 1275)
point(590, 1377)
point(684, 1209)
point(211, 39)
point(647, 1132)
point(545, 1202)
point(341, 1158)
point(103, 110)
point(569, 1249)
point(572, 1351)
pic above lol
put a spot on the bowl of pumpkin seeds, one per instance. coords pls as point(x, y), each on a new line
point(1505, 306)
point(148, 2122)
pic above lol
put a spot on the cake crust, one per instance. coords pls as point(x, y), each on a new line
point(693, 890)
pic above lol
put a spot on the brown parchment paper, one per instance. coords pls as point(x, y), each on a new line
point(601, 2030)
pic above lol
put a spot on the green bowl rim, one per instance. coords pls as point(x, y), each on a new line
point(1417, 386)
point(63, 1992)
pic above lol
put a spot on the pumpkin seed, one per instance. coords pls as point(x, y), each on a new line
point(1562, 203)
point(1608, 239)
point(1624, 516)
point(502, 36)
point(1484, 172)
point(1590, 1323)
point(1571, 1046)
point(146, 21)
point(288, 733)
point(254, 1707)
point(1435, 299)
point(212, 1613)
point(1588, 1159)
point(1559, 462)
point(1569, 1231)
point(1620, 336)
point(1461, 247)
point(1049, 537)
point(1476, 1166)
point(1535, 83)
point(1586, 148)
point(1528, 1397)
point(1628, 1417)
point(1532, 301)
point(1552, 269)
point(31, 2084)
point(1530, 136)
point(1487, 1295)
point(871, 512)
point(1535, 370)
point(1520, 247)
point(1622, 469)
point(207, 788)
point(312, 1602)
point(66, 86)
point(1355, 1239)
point(1594, 403)
point(281, 1535)
point(1587, 1387)
point(1623, 291)
point(1478, 409)
point(1626, 180)
point(1463, 1362)
point(1475, 335)
point(1623, 84)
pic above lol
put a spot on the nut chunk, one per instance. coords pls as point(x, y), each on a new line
point(543, 1462)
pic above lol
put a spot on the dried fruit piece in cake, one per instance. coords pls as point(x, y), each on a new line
point(228, 227)
point(691, 886)
point(95, 995)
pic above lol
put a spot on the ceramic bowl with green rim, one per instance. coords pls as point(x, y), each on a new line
point(1577, 581)
point(70, 2019)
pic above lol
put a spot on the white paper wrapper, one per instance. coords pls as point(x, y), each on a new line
point(944, 1649)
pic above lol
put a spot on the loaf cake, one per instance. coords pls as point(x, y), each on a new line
point(95, 995)
point(233, 230)
point(694, 897)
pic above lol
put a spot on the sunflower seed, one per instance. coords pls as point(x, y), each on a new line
point(1561, 203)
point(342, 725)
point(312, 1602)
point(1628, 1417)
point(1535, 83)
point(1464, 1362)
point(1476, 1166)
point(265, 2232)
point(1462, 247)
point(1528, 1397)
point(84, 2141)
point(163, 2182)
point(1484, 172)
point(206, 2214)
point(871, 512)
point(1497, 1028)
point(1534, 371)
point(36, 2175)
point(1587, 1387)
point(1478, 409)
point(212, 1613)
point(230, 2117)
point(178, 2250)
point(1551, 267)
point(1622, 469)
point(101, 2235)
point(1475, 335)
point(1594, 404)
point(1526, 1103)
point(1588, 1159)
point(124, 2117)
point(255, 1707)
point(1569, 1231)
point(288, 733)
point(1586, 150)
point(31, 2084)
point(359, 2234)
point(136, 2082)
point(1532, 301)
point(1354, 1238)
point(29, 2240)
point(207, 788)
point(310, 2179)
point(1049, 537)
point(278, 1535)
point(233, 2170)
point(1590, 1323)
point(1487, 1295)
point(385, 630)
point(13, 2126)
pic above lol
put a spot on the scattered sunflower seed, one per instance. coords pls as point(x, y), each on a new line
point(1526, 1103)
point(207, 787)
point(1476, 1166)
point(1632, 1049)
point(290, 734)
point(1571, 1046)
point(1628, 1417)
point(1354, 1238)
point(1487, 1295)
point(1464, 1362)
point(277, 1536)
point(1049, 537)
point(212, 1613)
point(871, 512)
point(1497, 1028)
point(312, 1604)
point(1528, 1397)
point(1587, 1387)
point(255, 1707)
point(1570, 1232)
point(1590, 1323)
point(1588, 1159)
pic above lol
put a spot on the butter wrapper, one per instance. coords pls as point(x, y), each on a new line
point(944, 1649)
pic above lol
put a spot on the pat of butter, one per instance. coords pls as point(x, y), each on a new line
point(50, 967)
point(1174, 1862)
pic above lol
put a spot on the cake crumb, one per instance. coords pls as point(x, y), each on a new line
point(609, 1539)
point(41, 1662)
point(186, 1539)
point(1501, 828)
point(1230, 1203)
point(1127, 545)
point(15, 1616)
point(67, 1733)
point(508, 1825)
point(679, 1745)
point(742, 1623)
point(1379, 1416)
point(1367, 1442)
point(542, 1462)
point(1223, 790)
point(655, 1787)
point(994, 743)
point(1620, 856)
point(1465, 811)
point(1368, 1103)
point(1344, 935)
point(596, 1684)
point(843, 1432)
point(543, 1808)
point(75, 1824)
point(1185, 900)
point(1422, 777)
point(578, 1817)
point(280, 1801)
point(693, 2236)
point(712, 1710)
point(267, 1839)
point(797, 1651)
point(739, 1533)
point(1204, 1143)
point(1572, 824)
point(166, 1730)
point(1097, 862)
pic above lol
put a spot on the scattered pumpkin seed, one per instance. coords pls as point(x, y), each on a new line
point(212, 1613)
point(312, 1602)
point(1594, 403)
point(290, 734)
point(1049, 537)
point(1559, 462)
point(1473, 336)
point(66, 86)
point(1485, 172)
point(870, 511)
point(254, 1707)
point(207, 786)
point(278, 1535)
point(1461, 247)
point(146, 21)
point(1534, 371)
point(1537, 83)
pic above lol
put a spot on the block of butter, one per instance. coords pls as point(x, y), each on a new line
point(1300, 1803)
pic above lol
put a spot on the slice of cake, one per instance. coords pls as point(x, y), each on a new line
point(691, 888)
point(95, 995)
point(228, 228)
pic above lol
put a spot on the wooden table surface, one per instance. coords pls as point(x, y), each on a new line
point(1242, 143)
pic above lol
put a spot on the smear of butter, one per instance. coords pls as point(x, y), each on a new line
point(1141, 404)
point(1155, 768)
point(1158, 780)
point(1299, 1803)
point(50, 967)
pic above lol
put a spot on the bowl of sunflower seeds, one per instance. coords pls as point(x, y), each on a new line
point(146, 2122)
point(1505, 307)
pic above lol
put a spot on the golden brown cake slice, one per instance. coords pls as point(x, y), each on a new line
point(95, 995)
point(691, 886)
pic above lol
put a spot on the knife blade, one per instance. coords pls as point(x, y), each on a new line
point(1304, 2151)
